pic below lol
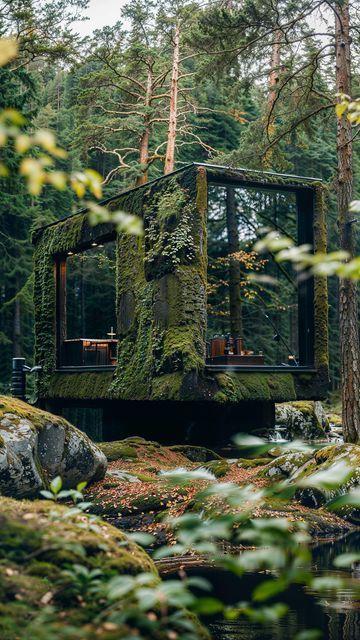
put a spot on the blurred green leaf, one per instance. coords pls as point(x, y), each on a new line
point(252, 444)
point(346, 559)
point(268, 614)
point(185, 476)
point(208, 606)
point(47, 494)
point(143, 539)
point(335, 475)
point(269, 589)
point(351, 499)
point(56, 484)
point(327, 583)
point(309, 634)
point(199, 583)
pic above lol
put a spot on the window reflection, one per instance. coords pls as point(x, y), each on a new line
point(252, 300)
point(90, 308)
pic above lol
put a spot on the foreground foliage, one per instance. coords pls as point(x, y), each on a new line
point(67, 574)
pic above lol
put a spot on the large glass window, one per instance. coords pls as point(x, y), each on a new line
point(90, 307)
point(253, 302)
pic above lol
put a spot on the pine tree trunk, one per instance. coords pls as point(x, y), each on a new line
point(145, 138)
point(348, 308)
point(171, 140)
point(234, 265)
point(274, 69)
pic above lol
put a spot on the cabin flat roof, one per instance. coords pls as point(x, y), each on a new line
point(240, 170)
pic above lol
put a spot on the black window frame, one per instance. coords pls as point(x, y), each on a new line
point(60, 290)
point(305, 203)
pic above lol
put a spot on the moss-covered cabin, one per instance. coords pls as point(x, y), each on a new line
point(189, 342)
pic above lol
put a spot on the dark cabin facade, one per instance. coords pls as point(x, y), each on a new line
point(165, 363)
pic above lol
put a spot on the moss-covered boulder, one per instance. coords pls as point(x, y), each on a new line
point(36, 446)
point(55, 574)
point(118, 450)
point(252, 463)
point(286, 465)
point(303, 419)
point(325, 459)
point(219, 468)
point(147, 455)
point(299, 466)
point(195, 453)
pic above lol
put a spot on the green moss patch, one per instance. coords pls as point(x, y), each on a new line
point(219, 468)
point(245, 463)
point(334, 419)
point(235, 387)
point(37, 547)
point(118, 450)
point(88, 385)
point(38, 418)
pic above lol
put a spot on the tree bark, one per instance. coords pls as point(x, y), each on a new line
point(348, 307)
point(274, 69)
point(171, 140)
point(145, 138)
point(234, 265)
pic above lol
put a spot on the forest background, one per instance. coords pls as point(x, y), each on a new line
point(255, 87)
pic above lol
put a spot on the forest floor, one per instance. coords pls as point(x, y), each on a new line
point(134, 496)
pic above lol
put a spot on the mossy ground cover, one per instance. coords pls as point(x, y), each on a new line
point(38, 544)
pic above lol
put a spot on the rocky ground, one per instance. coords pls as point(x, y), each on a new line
point(41, 541)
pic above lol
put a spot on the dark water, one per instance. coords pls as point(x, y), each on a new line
point(337, 615)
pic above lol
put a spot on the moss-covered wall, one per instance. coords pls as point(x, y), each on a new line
point(161, 302)
point(161, 287)
point(53, 240)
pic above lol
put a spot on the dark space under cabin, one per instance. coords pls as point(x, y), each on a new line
point(167, 336)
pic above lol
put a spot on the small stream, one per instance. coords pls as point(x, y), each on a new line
point(337, 615)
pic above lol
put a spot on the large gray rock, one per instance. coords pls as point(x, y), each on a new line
point(36, 446)
point(286, 465)
point(303, 419)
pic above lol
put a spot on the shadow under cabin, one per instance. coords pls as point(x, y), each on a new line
point(186, 334)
